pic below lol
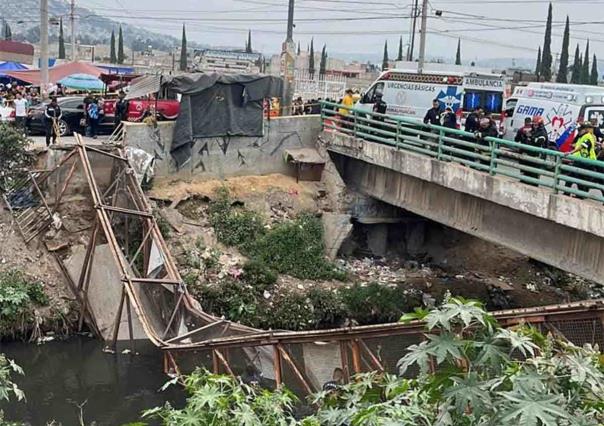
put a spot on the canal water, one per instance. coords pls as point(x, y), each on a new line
point(113, 388)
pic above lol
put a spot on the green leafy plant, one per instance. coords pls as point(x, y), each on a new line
point(233, 226)
point(221, 400)
point(8, 388)
point(14, 155)
point(19, 295)
point(259, 275)
point(295, 248)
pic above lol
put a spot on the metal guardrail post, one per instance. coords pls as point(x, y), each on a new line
point(441, 134)
point(398, 133)
point(557, 173)
point(493, 165)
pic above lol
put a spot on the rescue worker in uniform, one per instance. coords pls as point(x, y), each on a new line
point(121, 110)
point(523, 134)
point(433, 114)
point(487, 128)
point(473, 120)
point(379, 107)
point(585, 148)
point(52, 115)
point(449, 120)
point(537, 138)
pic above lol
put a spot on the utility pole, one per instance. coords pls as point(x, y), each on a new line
point(422, 40)
point(72, 19)
point(413, 31)
point(44, 47)
point(288, 62)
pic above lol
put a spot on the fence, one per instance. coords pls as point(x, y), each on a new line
point(499, 157)
point(309, 86)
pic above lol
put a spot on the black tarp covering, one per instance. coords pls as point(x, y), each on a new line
point(219, 105)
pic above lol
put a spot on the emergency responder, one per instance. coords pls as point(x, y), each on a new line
point(379, 107)
point(523, 134)
point(449, 119)
point(433, 114)
point(585, 148)
point(52, 115)
point(346, 111)
point(473, 120)
point(537, 138)
point(487, 128)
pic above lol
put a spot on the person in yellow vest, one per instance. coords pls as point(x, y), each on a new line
point(346, 113)
point(585, 147)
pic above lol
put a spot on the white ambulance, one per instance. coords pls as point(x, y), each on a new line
point(562, 106)
point(408, 93)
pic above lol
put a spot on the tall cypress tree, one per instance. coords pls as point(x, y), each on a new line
point(538, 66)
point(311, 59)
point(562, 76)
point(61, 40)
point(400, 50)
point(385, 61)
point(8, 33)
point(323, 64)
point(458, 54)
point(595, 75)
point(120, 47)
point(248, 46)
point(112, 55)
point(585, 68)
point(546, 56)
point(299, 51)
point(576, 77)
point(183, 50)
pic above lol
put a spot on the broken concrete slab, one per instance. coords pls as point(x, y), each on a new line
point(104, 292)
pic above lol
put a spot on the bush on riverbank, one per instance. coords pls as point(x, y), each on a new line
point(293, 247)
point(19, 296)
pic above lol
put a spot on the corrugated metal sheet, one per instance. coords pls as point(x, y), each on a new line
point(144, 86)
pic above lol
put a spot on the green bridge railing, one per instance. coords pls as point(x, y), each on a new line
point(547, 168)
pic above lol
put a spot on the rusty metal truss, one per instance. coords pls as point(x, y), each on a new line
point(152, 294)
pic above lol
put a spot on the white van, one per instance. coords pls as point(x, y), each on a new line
point(408, 93)
point(560, 105)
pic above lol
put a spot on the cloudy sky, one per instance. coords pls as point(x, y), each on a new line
point(487, 28)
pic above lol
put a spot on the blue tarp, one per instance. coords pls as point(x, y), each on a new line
point(82, 82)
point(11, 66)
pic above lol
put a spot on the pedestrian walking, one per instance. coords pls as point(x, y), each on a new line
point(52, 115)
point(93, 117)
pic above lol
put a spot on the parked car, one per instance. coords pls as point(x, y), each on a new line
point(167, 109)
point(72, 108)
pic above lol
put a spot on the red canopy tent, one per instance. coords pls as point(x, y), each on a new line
point(55, 73)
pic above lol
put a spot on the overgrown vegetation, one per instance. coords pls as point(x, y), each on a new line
point(14, 156)
point(472, 372)
point(19, 296)
point(293, 247)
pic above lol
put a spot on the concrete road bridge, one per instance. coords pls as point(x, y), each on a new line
point(537, 202)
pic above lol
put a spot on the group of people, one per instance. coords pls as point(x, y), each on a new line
point(313, 106)
point(15, 102)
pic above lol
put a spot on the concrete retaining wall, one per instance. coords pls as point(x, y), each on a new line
point(228, 156)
